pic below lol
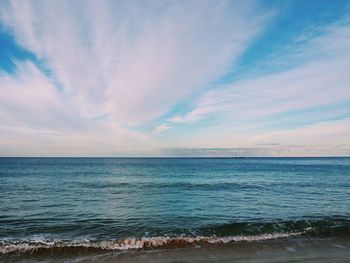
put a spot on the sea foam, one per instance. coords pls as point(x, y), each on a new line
point(7, 246)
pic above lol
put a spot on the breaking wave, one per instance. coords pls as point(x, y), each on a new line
point(215, 234)
point(129, 243)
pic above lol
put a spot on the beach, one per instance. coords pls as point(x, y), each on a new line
point(174, 131)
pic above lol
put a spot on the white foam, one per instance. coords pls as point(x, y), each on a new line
point(132, 243)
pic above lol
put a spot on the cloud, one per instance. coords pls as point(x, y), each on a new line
point(100, 70)
point(133, 60)
point(108, 77)
point(37, 119)
point(304, 108)
point(162, 128)
point(319, 83)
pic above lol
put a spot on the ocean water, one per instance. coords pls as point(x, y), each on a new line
point(149, 209)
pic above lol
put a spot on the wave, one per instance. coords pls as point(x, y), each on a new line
point(335, 226)
point(7, 247)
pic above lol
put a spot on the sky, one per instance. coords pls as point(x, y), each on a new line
point(175, 78)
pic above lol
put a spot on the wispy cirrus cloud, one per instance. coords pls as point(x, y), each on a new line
point(132, 59)
point(103, 68)
point(319, 84)
point(36, 119)
point(306, 105)
point(133, 77)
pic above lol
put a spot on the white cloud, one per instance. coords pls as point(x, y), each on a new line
point(322, 80)
point(114, 66)
point(107, 67)
point(302, 109)
point(36, 119)
point(162, 128)
point(133, 60)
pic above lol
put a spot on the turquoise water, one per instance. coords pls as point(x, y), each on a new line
point(67, 202)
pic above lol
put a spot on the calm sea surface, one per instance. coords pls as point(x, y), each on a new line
point(120, 203)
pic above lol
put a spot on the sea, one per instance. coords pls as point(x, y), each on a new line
point(175, 209)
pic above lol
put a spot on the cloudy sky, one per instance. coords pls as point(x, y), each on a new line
point(174, 78)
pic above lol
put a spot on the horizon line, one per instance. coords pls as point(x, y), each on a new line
point(178, 157)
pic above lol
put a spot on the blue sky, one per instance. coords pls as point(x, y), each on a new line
point(174, 78)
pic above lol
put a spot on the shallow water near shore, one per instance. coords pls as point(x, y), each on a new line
point(174, 209)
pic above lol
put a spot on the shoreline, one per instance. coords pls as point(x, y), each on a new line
point(294, 249)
